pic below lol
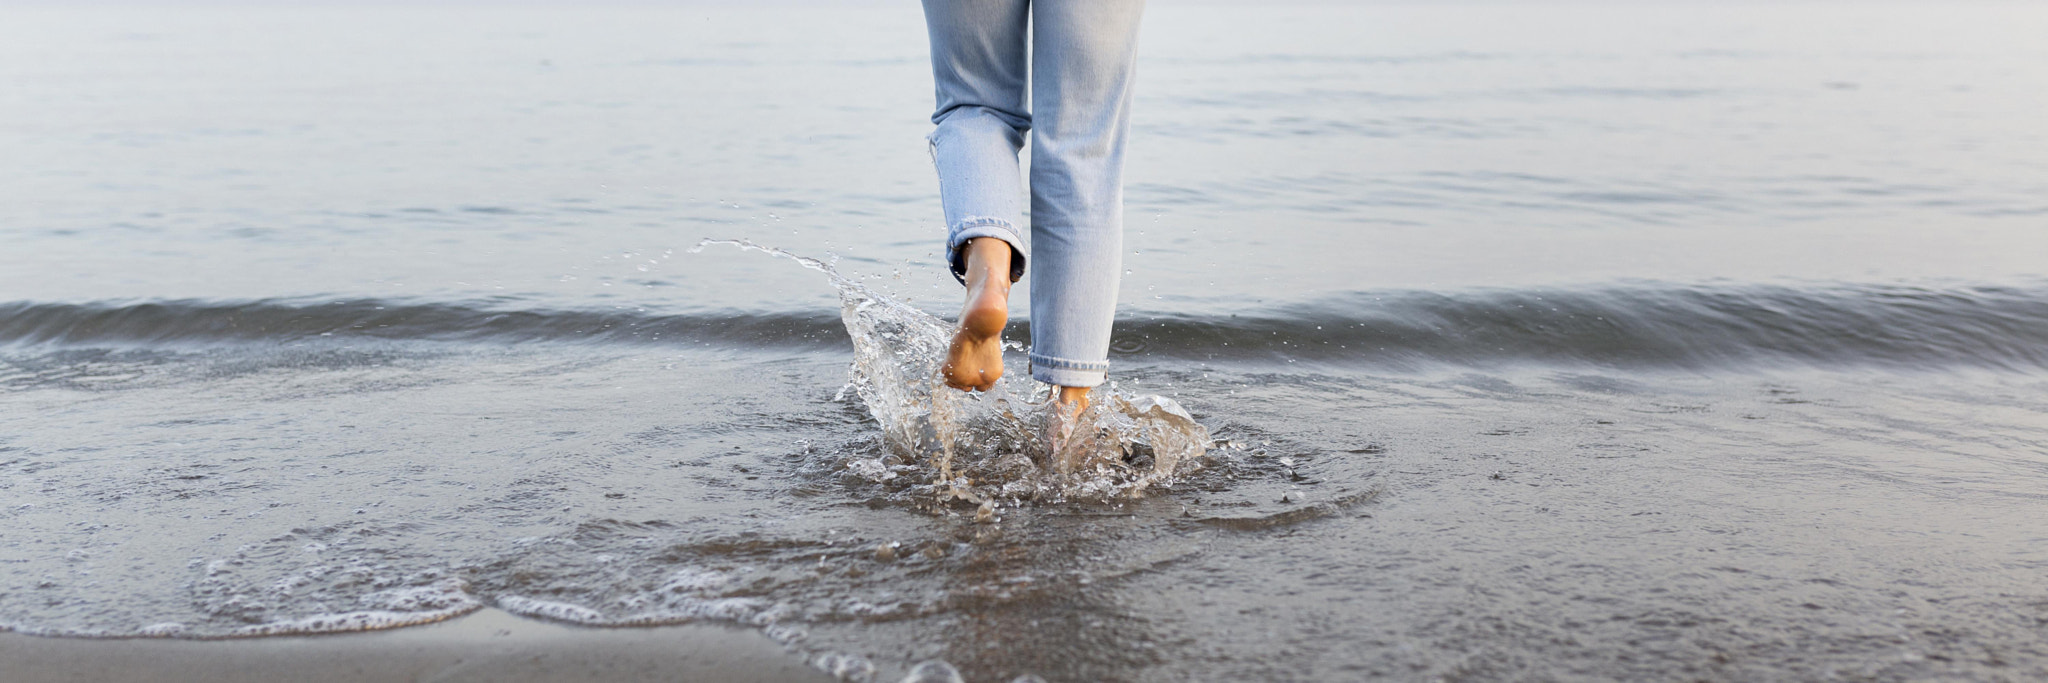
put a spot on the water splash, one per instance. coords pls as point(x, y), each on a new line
point(1004, 444)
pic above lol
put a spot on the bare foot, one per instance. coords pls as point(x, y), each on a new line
point(1073, 401)
point(975, 360)
point(1068, 405)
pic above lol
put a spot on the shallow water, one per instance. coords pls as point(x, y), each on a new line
point(1005, 443)
point(1534, 342)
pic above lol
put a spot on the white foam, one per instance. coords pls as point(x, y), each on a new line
point(390, 608)
point(162, 630)
point(366, 620)
point(547, 609)
point(443, 594)
point(845, 667)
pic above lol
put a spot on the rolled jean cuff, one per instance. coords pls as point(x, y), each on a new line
point(983, 227)
point(1068, 373)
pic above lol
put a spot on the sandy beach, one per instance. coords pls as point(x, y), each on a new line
point(490, 645)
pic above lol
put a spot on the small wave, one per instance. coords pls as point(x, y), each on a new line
point(385, 609)
point(1639, 326)
point(171, 323)
point(1635, 325)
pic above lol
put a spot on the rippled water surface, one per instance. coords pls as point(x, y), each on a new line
point(1527, 342)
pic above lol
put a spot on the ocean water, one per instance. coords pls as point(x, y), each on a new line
point(1531, 341)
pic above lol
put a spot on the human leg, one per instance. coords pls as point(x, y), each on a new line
point(979, 74)
point(1083, 62)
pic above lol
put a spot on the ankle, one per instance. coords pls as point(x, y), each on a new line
point(997, 281)
point(988, 260)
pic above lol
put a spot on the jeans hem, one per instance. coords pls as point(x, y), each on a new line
point(1068, 373)
point(983, 227)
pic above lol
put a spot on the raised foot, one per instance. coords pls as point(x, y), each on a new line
point(974, 361)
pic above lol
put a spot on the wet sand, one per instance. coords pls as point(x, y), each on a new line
point(490, 645)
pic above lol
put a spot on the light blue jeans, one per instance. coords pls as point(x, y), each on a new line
point(1080, 56)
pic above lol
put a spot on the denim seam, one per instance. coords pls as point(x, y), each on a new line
point(984, 222)
point(1068, 377)
point(1062, 363)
